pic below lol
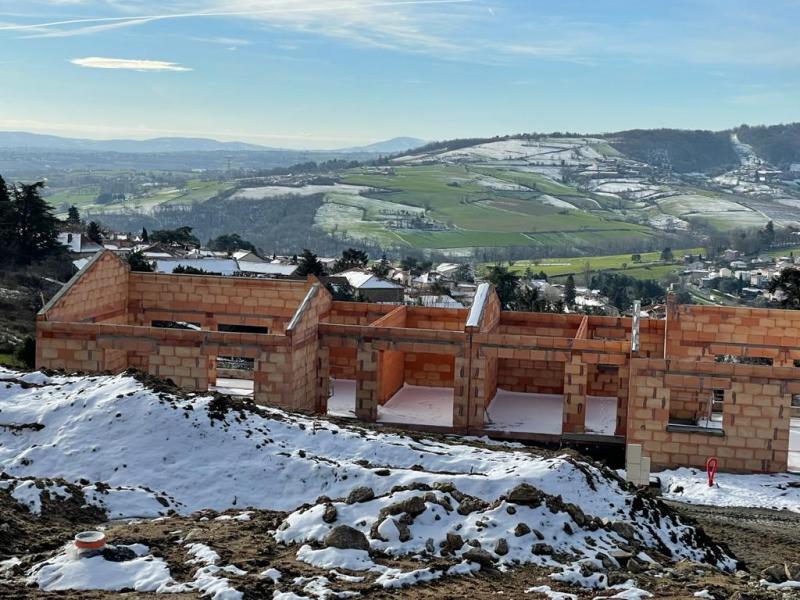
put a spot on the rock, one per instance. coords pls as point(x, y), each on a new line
point(361, 493)
point(402, 528)
point(542, 549)
point(525, 494)
point(606, 561)
point(480, 556)
point(382, 472)
point(621, 557)
point(512, 510)
point(453, 541)
point(567, 529)
point(195, 533)
point(345, 537)
point(576, 513)
point(792, 571)
point(118, 553)
point(501, 547)
point(634, 566)
point(474, 543)
point(774, 574)
point(470, 504)
point(625, 530)
point(521, 529)
point(539, 535)
point(414, 506)
point(330, 514)
point(429, 547)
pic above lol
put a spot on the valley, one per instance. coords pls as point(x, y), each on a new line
point(517, 197)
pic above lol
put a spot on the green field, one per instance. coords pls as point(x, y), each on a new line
point(650, 266)
point(84, 197)
point(9, 360)
point(471, 207)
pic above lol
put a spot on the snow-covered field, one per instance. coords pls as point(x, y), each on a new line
point(147, 452)
point(276, 191)
point(780, 491)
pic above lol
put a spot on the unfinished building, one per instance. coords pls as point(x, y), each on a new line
point(707, 381)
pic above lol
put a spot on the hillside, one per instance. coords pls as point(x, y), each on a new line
point(513, 197)
point(684, 151)
point(777, 144)
point(302, 496)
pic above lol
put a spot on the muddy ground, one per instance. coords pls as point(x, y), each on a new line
point(759, 538)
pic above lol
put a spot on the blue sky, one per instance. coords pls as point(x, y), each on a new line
point(332, 73)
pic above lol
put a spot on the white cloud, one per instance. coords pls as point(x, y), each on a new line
point(97, 62)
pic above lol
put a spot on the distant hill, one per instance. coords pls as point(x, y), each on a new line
point(685, 150)
point(35, 141)
point(20, 140)
point(777, 144)
point(392, 146)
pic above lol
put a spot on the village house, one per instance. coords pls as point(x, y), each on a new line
point(705, 381)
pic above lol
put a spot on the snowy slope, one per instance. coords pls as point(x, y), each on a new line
point(140, 452)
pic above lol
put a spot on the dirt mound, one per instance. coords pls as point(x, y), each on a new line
point(62, 515)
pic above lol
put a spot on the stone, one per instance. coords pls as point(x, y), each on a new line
point(774, 574)
point(429, 546)
point(361, 493)
point(414, 506)
point(330, 514)
point(576, 513)
point(470, 504)
point(542, 549)
point(501, 547)
point(479, 556)
point(625, 530)
point(404, 531)
point(634, 566)
point(521, 529)
point(792, 571)
point(345, 537)
point(606, 560)
point(512, 510)
point(525, 494)
point(454, 541)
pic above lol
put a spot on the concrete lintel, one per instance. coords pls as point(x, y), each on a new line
point(478, 305)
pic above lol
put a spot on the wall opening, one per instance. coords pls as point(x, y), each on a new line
point(233, 328)
point(175, 325)
point(743, 360)
point(696, 410)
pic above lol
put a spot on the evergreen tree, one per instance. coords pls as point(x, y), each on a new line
point(6, 221)
point(786, 287)
point(309, 264)
point(666, 254)
point(94, 232)
point(138, 262)
point(73, 215)
point(381, 268)
point(34, 228)
point(505, 284)
point(569, 292)
point(145, 236)
point(351, 259)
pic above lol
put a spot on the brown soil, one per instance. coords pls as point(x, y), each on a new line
point(759, 538)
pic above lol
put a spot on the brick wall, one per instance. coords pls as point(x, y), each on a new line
point(531, 376)
point(434, 370)
point(391, 365)
point(755, 414)
point(603, 380)
point(703, 332)
point(101, 296)
point(211, 300)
